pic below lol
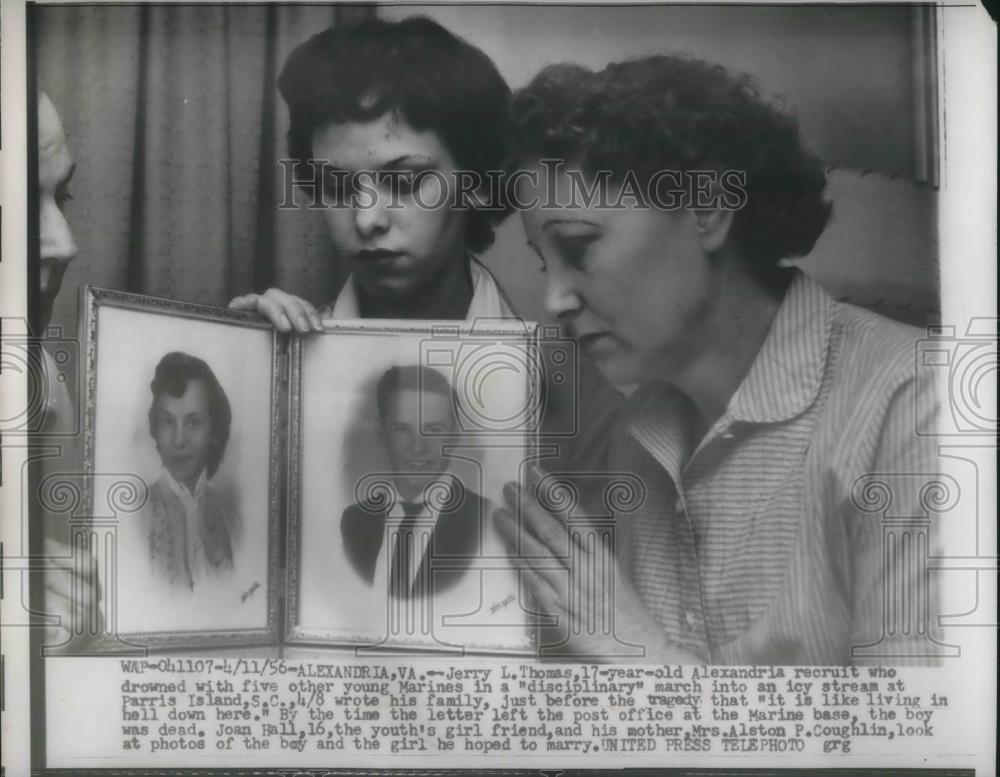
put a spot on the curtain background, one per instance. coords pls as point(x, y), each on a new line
point(175, 123)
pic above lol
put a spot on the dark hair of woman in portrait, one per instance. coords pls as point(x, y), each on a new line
point(174, 373)
point(757, 402)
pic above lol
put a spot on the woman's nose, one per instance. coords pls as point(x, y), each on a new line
point(180, 436)
point(561, 295)
point(370, 215)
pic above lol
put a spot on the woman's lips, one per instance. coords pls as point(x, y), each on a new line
point(378, 257)
point(594, 340)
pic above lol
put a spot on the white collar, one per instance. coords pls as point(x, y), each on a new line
point(182, 491)
point(445, 481)
point(488, 299)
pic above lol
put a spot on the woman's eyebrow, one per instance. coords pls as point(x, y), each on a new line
point(557, 222)
point(417, 160)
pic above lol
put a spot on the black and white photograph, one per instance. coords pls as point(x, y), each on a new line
point(392, 534)
point(491, 385)
point(180, 408)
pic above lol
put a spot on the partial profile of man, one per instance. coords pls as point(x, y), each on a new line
point(416, 408)
point(69, 593)
point(56, 247)
point(190, 527)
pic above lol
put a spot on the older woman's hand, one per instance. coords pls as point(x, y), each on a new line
point(285, 310)
point(542, 542)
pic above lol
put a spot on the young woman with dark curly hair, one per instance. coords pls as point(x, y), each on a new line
point(758, 406)
point(393, 111)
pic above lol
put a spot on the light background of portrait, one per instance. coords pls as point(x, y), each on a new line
point(340, 445)
point(130, 346)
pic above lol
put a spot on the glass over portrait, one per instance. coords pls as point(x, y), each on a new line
point(400, 466)
point(180, 459)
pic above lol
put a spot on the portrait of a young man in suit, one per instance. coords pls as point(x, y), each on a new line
point(421, 539)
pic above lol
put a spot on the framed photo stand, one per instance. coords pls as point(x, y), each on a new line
point(346, 480)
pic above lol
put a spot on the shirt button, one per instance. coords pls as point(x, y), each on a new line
point(679, 504)
point(689, 620)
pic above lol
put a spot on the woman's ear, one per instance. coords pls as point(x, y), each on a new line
point(713, 227)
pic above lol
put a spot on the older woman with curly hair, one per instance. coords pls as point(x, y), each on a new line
point(661, 196)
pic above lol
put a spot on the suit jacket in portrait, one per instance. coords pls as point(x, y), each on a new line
point(166, 523)
point(456, 534)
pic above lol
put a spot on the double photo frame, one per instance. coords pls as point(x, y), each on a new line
point(337, 489)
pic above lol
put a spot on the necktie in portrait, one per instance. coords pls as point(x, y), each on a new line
point(409, 543)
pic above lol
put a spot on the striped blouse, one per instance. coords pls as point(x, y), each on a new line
point(765, 543)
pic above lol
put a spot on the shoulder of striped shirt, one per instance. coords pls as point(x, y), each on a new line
point(885, 351)
point(887, 387)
